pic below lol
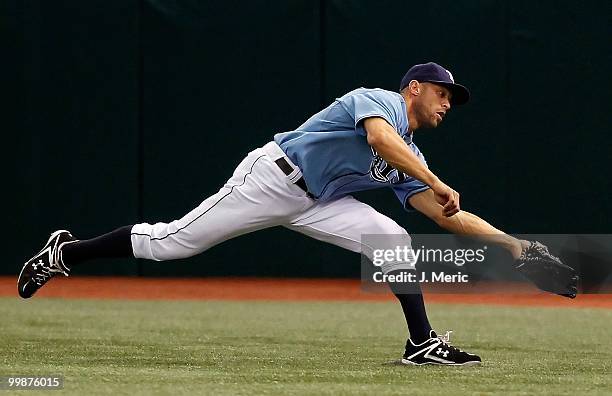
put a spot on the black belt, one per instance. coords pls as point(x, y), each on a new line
point(287, 170)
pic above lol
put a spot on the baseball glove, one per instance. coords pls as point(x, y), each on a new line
point(546, 271)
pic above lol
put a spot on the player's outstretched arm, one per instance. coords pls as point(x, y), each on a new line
point(465, 223)
point(532, 259)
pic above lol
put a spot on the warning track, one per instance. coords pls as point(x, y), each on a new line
point(138, 288)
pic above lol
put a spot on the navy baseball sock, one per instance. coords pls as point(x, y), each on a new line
point(117, 243)
point(413, 305)
point(416, 317)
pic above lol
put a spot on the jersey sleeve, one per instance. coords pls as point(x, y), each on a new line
point(371, 103)
point(406, 190)
point(410, 186)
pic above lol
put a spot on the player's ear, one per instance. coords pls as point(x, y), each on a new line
point(414, 87)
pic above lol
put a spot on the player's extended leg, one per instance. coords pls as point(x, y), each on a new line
point(343, 222)
point(258, 195)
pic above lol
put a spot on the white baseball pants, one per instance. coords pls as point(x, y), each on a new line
point(260, 195)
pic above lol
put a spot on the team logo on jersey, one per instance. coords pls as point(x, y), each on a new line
point(382, 172)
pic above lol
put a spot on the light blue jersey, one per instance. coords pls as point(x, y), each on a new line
point(332, 151)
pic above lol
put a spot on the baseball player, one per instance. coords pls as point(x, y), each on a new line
point(303, 180)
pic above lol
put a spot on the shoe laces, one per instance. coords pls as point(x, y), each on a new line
point(44, 271)
point(445, 339)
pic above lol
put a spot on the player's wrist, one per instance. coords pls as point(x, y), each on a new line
point(433, 182)
point(513, 245)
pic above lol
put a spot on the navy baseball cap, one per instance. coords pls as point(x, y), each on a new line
point(433, 73)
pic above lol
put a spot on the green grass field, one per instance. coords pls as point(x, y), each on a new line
point(213, 347)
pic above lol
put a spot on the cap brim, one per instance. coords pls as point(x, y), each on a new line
point(460, 94)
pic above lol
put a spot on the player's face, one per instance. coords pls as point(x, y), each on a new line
point(432, 104)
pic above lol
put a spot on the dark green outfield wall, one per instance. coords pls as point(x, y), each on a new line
point(121, 111)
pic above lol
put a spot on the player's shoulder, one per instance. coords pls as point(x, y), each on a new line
point(375, 93)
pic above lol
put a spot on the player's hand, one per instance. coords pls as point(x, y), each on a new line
point(447, 197)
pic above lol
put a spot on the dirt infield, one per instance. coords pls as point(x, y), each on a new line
point(277, 289)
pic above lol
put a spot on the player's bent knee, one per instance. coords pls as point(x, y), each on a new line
point(161, 242)
point(386, 226)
